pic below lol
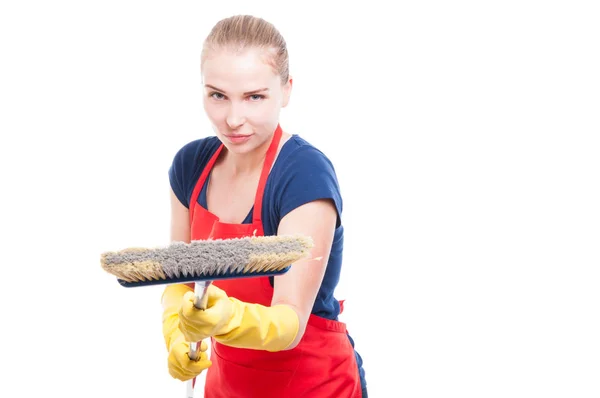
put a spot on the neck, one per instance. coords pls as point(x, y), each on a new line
point(247, 163)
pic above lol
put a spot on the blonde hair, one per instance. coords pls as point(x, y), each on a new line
point(242, 32)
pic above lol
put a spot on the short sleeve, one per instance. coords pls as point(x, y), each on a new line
point(308, 176)
point(187, 166)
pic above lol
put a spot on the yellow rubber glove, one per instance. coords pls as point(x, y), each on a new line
point(181, 367)
point(238, 324)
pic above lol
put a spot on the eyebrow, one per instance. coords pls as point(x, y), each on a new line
point(260, 90)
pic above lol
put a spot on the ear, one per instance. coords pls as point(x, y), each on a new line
point(287, 92)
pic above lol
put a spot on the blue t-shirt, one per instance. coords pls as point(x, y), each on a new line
point(301, 174)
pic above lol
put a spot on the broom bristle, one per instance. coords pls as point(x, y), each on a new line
point(207, 258)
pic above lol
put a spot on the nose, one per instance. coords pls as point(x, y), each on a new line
point(235, 116)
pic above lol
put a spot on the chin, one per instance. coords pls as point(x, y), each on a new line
point(239, 149)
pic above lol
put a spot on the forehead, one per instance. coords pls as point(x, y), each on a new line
point(238, 72)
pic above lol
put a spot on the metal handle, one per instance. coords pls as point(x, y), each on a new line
point(200, 302)
point(190, 388)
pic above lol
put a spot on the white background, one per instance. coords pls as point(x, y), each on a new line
point(464, 135)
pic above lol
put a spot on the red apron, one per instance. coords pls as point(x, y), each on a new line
point(322, 365)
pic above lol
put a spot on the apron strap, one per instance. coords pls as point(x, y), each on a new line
point(201, 180)
point(269, 160)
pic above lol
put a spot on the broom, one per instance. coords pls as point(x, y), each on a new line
point(202, 261)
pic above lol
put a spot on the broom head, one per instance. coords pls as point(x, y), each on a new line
point(181, 262)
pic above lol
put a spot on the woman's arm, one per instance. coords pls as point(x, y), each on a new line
point(299, 286)
point(180, 220)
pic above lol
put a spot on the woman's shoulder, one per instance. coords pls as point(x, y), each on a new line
point(297, 151)
point(198, 148)
point(302, 168)
point(302, 174)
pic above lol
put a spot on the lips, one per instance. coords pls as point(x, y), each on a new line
point(237, 139)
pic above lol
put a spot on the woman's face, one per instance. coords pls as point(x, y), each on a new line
point(243, 97)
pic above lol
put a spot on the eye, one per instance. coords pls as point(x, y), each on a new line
point(216, 95)
point(256, 97)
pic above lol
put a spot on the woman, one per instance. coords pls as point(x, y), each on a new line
point(277, 336)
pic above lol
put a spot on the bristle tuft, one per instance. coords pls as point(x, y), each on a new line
point(138, 271)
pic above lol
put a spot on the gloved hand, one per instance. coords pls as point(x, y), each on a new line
point(180, 365)
point(238, 324)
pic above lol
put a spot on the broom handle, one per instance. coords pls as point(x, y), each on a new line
point(200, 302)
point(189, 393)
